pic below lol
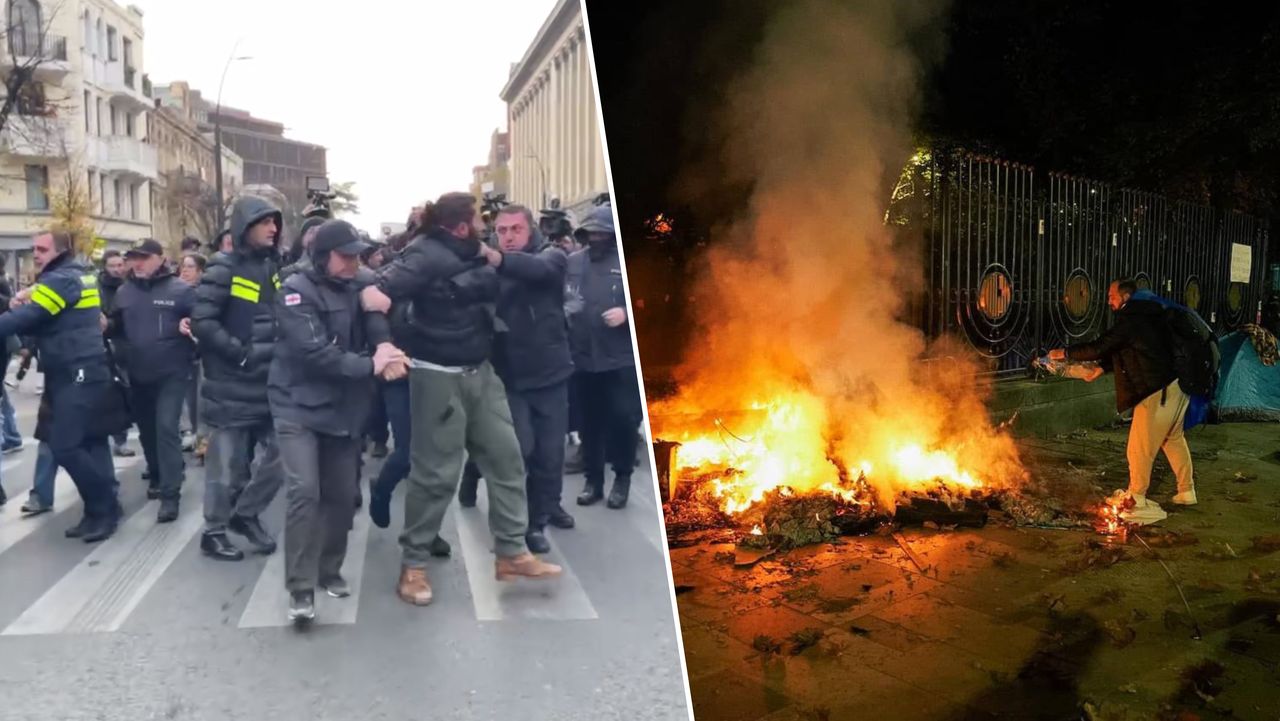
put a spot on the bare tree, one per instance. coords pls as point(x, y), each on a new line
point(194, 202)
point(28, 44)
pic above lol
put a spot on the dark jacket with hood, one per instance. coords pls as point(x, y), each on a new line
point(146, 315)
point(444, 293)
point(533, 352)
point(594, 285)
point(1137, 348)
point(322, 374)
point(234, 321)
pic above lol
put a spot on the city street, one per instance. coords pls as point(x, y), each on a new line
point(144, 627)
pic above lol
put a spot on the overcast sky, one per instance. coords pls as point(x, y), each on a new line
point(403, 94)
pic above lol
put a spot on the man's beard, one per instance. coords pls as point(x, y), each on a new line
point(601, 250)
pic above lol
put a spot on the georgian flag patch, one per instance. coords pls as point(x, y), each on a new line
point(292, 299)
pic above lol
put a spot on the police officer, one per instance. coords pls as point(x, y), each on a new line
point(605, 361)
point(63, 312)
point(234, 321)
point(149, 315)
point(321, 389)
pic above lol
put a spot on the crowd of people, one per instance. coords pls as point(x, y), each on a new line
point(481, 345)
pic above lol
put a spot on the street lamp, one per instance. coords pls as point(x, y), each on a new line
point(217, 138)
point(543, 171)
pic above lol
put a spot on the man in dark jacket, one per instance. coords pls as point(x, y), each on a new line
point(459, 404)
point(115, 269)
point(1138, 349)
point(63, 312)
point(601, 340)
point(150, 316)
point(321, 389)
point(532, 358)
point(234, 321)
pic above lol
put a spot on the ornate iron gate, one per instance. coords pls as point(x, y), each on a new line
point(1019, 264)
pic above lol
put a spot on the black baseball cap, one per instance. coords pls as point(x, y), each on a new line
point(338, 236)
point(146, 246)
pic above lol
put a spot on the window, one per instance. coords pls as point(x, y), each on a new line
point(128, 125)
point(119, 197)
point(89, 43)
point(24, 27)
point(112, 54)
point(102, 195)
point(31, 99)
point(115, 120)
point(128, 53)
point(89, 192)
point(100, 109)
point(88, 124)
point(37, 187)
point(133, 200)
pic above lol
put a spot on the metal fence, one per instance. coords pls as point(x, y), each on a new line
point(1018, 261)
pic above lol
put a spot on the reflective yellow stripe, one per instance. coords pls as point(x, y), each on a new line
point(89, 299)
point(239, 291)
point(47, 299)
point(238, 280)
point(275, 280)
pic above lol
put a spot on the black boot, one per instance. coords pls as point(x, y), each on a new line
point(560, 518)
point(100, 530)
point(537, 542)
point(216, 545)
point(591, 494)
point(302, 606)
point(379, 450)
point(81, 528)
point(440, 548)
point(168, 511)
point(152, 493)
point(621, 489)
point(260, 541)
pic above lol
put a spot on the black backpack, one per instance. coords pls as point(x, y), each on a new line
point(1195, 351)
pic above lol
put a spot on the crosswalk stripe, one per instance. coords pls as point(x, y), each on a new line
point(103, 589)
point(561, 599)
point(270, 601)
point(13, 526)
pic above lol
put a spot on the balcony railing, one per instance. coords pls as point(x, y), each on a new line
point(29, 43)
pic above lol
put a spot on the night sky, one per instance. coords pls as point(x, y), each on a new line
point(1181, 98)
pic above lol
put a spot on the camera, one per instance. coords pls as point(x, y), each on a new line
point(553, 222)
point(319, 198)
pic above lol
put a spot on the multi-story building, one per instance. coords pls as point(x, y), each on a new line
point(269, 157)
point(81, 130)
point(555, 143)
point(494, 176)
point(184, 198)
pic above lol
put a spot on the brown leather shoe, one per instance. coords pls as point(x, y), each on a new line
point(527, 565)
point(413, 587)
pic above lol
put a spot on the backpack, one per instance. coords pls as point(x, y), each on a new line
point(1195, 351)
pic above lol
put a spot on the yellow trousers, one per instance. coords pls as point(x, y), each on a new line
point(1158, 425)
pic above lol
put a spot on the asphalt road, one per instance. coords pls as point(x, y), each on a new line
point(144, 627)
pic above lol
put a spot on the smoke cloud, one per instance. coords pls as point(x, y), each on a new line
point(802, 297)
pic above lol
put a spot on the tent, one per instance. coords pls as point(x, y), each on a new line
point(1247, 389)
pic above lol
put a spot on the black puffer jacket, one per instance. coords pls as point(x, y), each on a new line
point(146, 314)
point(234, 321)
point(445, 292)
point(1137, 348)
point(534, 351)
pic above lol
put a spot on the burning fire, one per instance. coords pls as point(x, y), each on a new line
point(789, 448)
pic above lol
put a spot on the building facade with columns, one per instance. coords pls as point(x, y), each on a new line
point(552, 120)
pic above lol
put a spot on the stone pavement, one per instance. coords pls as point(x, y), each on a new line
point(1009, 623)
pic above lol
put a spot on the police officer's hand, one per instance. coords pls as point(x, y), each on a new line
point(22, 298)
point(493, 255)
point(1058, 354)
point(184, 327)
point(102, 322)
point(385, 357)
point(372, 299)
point(615, 317)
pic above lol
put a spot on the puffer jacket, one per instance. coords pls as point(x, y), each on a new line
point(594, 285)
point(446, 294)
point(1138, 348)
point(234, 322)
point(64, 319)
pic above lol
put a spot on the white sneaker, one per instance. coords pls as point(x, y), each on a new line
point(1144, 512)
point(1185, 499)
